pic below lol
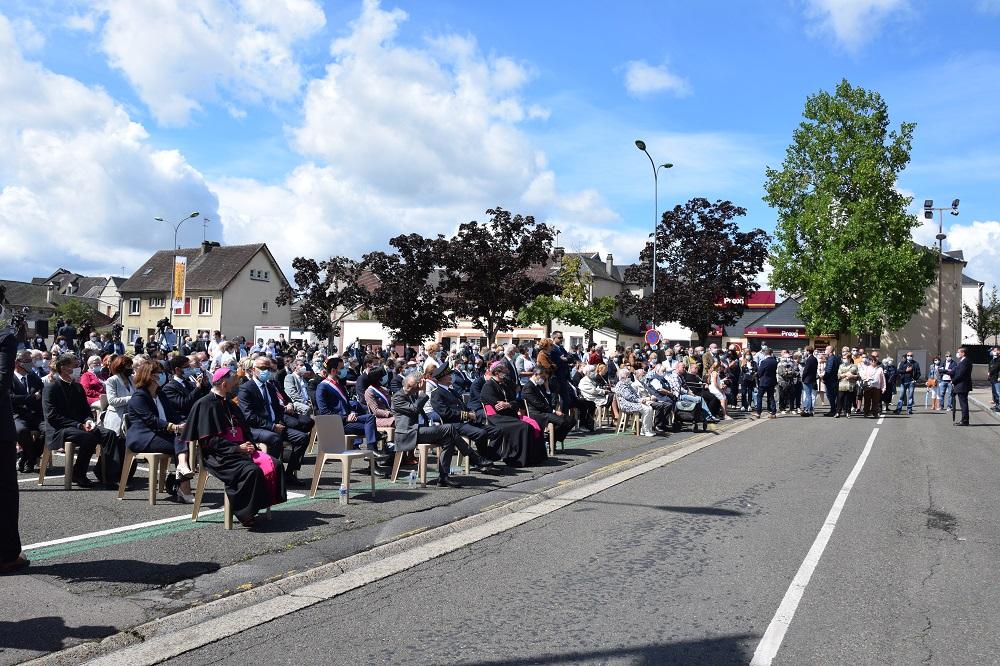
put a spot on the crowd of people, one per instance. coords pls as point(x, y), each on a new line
point(250, 407)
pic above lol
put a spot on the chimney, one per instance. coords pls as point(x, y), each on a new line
point(49, 288)
point(206, 246)
point(609, 263)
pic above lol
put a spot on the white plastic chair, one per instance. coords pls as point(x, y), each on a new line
point(227, 509)
point(332, 444)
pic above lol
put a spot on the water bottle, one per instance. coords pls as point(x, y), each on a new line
point(343, 493)
point(411, 481)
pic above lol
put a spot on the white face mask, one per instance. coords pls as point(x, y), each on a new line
point(76, 374)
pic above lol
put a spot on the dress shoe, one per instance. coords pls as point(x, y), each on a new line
point(14, 565)
point(83, 481)
point(383, 472)
point(293, 480)
point(960, 424)
point(446, 482)
point(184, 472)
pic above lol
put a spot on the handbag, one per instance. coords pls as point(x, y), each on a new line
point(931, 383)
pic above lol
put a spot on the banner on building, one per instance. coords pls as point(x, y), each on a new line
point(180, 281)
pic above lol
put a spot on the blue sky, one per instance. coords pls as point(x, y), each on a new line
point(326, 128)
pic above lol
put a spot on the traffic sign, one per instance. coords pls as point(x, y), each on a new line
point(652, 336)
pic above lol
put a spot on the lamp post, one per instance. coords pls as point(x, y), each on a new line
point(173, 258)
point(929, 215)
point(641, 145)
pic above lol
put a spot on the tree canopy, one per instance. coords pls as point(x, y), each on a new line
point(408, 300)
point(326, 293)
point(843, 241)
point(702, 257)
point(984, 319)
point(491, 269)
point(572, 304)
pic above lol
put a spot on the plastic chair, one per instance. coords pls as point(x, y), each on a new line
point(550, 429)
point(69, 448)
point(227, 509)
point(333, 444)
point(625, 420)
point(158, 464)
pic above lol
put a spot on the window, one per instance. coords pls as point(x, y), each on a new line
point(186, 310)
point(134, 306)
point(147, 271)
point(870, 340)
point(158, 302)
point(181, 334)
point(205, 305)
point(133, 333)
point(259, 275)
point(263, 307)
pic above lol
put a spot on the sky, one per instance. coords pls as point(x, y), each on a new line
point(326, 128)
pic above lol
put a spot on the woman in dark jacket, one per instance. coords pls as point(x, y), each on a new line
point(154, 426)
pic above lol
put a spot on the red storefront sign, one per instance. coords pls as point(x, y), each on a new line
point(775, 332)
point(757, 300)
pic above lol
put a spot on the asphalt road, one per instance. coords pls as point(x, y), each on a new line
point(102, 581)
point(688, 564)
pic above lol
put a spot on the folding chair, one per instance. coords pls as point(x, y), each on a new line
point(333, 444)
point(69, 448)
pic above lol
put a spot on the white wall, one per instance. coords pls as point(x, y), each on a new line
point(241, 302)
point(972, 295)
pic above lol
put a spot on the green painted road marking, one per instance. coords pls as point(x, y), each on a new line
point(357, 488)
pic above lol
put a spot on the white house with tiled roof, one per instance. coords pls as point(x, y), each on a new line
point(230, 288)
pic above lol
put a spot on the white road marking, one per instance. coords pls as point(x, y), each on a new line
point(881, 419)
point(129, 528)
point(768, 647)
point(157, 648)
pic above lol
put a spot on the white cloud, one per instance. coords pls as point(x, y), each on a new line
point(980, 243)
point(27, 35)
point(80, 182)
point(81, 22)
point(402, 139)
point(178, 55)
point(642, 79)
point(853, 23)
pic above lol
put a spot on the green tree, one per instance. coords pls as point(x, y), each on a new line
point(77, 311)
point(843, 242)
point(572, 305)
point(984, 319)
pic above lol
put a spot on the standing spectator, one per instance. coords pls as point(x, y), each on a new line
point(138, 347)
point(962, 385)
point(767, 380)
point(908, 373)
point(944, 384)
point(889, 371)
point(994, 376)
point(848, 386)
point(11, 557)
point(787, 376)
point(810, 367)
point(68, 333)
point(830, 379)
point(873, 383)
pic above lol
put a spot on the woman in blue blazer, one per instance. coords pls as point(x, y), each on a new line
point(153, 425)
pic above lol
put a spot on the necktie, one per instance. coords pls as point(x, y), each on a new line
point(267, 399)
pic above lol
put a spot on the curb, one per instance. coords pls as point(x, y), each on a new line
point(986, 408)
point(192, 617)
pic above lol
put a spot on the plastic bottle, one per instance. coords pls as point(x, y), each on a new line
point(411, 480)
point(343, 494)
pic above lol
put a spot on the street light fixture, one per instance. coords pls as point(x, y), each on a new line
point(173, 259)
point(929, 215)
point(641, 145)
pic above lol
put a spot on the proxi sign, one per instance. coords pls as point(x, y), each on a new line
point(789, 334)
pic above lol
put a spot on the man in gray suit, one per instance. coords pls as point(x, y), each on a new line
point(296, 387)
point(407, 407)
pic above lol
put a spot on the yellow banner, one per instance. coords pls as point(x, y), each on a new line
point(180, 280)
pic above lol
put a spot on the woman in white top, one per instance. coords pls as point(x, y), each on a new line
point(525, 366)
point(431, 363)
point(119, 389)
point(716, 388)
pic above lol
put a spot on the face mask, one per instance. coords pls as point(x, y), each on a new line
point(909, 358)
point(96, 370)
point(40, 363)
point(161, 378)
point(190, 372)
point(265, 375)
point(76, 374)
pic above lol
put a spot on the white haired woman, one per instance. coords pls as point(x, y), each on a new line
point(630, 402)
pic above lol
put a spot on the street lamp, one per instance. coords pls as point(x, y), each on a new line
point(173, 259)
point(641, 145)
point(929, 215)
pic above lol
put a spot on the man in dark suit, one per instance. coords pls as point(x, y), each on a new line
point(830, 379)
point(185, 387)
point(961, 384)
point(448, 405)
point(11, 557)
point(264, 414)
point(810, 368)
point(767, 380)
point(26, 398)
point(68, 418)
point(540, 406)
point(407, 407)
point(561, 359)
